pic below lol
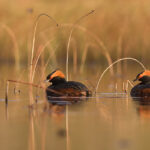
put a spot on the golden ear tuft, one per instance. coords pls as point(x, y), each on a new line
point(57, 73)
point(145, 73)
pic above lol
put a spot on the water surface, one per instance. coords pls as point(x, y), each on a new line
point(105, 121)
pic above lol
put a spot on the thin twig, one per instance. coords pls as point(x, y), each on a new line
point(35, 85)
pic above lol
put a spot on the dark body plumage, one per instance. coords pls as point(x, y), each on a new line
point(143, 88)
point(62, 88)
point(140, 90)
point(67, 88)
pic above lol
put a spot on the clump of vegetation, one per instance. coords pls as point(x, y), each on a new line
point(123, 33)
point(107, 35)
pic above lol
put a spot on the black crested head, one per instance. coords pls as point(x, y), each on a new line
point(56, 77)
point(144, 77)
point(137, 77)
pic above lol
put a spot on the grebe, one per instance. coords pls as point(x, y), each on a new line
point(143, 88)
point(62, 88)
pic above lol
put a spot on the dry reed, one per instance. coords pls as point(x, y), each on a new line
point(34, 33)
point(127, 58)
point(42, 75)
point(84, 55)
point(14, 41)
point(49, 46)
point(6, 94)
point(100, 43)
point(6, 100)
point(43, 68)
point(69, 39)
point(127, 85)
point(33, 41)
point(31, 85)
point(39, 52)
point(119, 50)
point(75, 56)
point(32, 51)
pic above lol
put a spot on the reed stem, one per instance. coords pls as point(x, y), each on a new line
point(68, 45)
point(127, 58)
point(6, 94)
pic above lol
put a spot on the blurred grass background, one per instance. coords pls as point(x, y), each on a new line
point(122, 26)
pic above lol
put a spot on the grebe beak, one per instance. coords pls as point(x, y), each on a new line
point(135, 79)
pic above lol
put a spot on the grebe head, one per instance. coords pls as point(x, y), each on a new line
point(144, 76)
point(56, 77)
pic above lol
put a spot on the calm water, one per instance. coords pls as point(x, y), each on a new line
point(107, 121)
